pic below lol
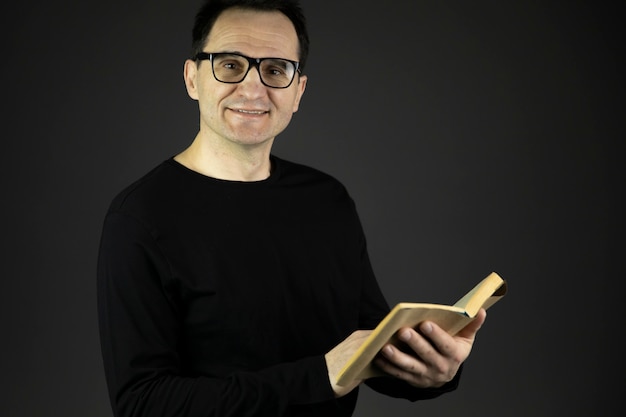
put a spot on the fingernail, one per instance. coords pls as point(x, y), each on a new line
point(388, 351)
point(427, 327)
point(405, 336)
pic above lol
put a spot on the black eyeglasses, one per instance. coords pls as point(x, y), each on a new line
point(232, 68)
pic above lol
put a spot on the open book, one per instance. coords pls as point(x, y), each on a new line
point(450, 318)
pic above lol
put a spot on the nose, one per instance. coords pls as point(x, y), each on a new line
point(253, 77)
point(251, 86)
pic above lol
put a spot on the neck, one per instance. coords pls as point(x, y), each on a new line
point(233, 163)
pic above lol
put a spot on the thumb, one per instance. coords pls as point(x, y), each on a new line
point(469, 331)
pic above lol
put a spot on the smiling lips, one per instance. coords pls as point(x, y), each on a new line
point(251, 112)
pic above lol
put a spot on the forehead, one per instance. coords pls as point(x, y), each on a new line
point(254, 33)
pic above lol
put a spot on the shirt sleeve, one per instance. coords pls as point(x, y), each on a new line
point(139, 331)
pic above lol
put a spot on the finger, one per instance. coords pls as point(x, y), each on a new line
point(438, 339)
point(401, 365)
point(403, 360)
point(469, 331)
point(408, 368)
point(422, 347)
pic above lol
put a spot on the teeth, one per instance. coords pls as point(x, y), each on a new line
point(251, 111)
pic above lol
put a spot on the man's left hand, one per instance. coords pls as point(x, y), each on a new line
point(436, 356)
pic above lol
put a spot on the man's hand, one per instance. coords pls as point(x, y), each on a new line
point(435, 356)
point(434, 359)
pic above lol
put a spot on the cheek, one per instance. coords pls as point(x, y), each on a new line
point(287, 104)
point(286, 107)
point(210, 96)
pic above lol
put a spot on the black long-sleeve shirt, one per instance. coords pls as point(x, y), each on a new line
point(220, 298)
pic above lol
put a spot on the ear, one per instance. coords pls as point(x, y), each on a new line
point(190, 73)
point(301, 87)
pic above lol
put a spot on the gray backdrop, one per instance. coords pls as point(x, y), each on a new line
point(474, 136)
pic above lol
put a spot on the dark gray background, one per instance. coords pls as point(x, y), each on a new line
point(474, 136)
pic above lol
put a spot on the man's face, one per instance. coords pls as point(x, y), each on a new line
point(247, 113)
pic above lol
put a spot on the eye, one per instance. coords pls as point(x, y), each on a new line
point(230, 63)
point(277, 68)
point(275, 71)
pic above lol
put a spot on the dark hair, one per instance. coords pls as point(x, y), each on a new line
point(210, 11)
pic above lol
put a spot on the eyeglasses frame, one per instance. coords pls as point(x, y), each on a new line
point(252, 62)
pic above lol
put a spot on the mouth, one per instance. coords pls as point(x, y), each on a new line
point(250, 112)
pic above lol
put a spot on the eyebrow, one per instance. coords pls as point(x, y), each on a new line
point(253, 57)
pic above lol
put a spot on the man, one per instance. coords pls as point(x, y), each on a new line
point(234, 283)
